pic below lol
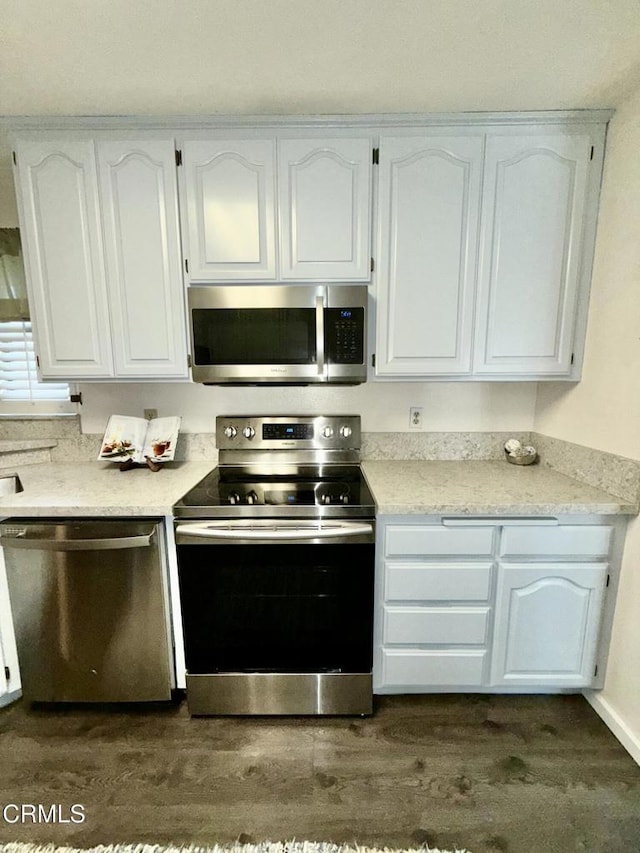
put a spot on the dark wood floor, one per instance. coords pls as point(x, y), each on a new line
point(490, 773)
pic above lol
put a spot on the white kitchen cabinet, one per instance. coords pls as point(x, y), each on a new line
point(229, 212)
point(99, 222)
point(271, 208)
point(492, 604)
point(324, 201)
point(532, 252)
point(427, 245)
point(546, 624)
point(60, 226)
point(485, 240)
point(9, 670)
point(144, 267)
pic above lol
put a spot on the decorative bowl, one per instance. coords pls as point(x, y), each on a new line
point(529, 459)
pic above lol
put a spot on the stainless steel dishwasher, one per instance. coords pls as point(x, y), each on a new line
point(90, 609)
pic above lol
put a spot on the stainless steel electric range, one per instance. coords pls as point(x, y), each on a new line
point(276, 567)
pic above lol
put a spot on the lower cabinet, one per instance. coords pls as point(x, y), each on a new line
point(9, 673)
point(492, 604)
point(546, 623)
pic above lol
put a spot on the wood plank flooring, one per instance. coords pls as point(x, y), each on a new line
point(494, 774)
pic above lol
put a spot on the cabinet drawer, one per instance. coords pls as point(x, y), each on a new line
point(444, 668)
point(448, 582)
point(564, 541)
point(435, 625)
point(436, 540)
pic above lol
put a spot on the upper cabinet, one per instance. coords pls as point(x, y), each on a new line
point(480, 267)
point(266, 209)
point(62, 246)
point(229, 209)
point(143, 262)
point(486, 239)
point(99, 219)
point(428, 243)
point(532, 252)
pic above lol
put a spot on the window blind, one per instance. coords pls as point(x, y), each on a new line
point(18, 376)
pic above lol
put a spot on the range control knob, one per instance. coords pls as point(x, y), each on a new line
point(248, 432)
point(252, 497)
point(325, 499)
point(345, 431)
point(234, 498)
point(230, 431)
point(327, 431)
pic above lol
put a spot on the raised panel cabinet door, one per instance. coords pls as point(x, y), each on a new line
point(546, 624)
point(324, 198)
point(428, 236)
point(229, 233)
point(142, 248)
point(58, 200)
point(531, 252)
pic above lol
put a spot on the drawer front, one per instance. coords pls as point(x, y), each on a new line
point(448, 582)
point(415, 668)
point(435, 540)
point(444, 626)
point(564, 541)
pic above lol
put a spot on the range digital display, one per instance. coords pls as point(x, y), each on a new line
point(276, 432)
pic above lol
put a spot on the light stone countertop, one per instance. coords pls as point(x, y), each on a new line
point(403, 487)
point(99, 489)
point(15, 445)
point(399, 487)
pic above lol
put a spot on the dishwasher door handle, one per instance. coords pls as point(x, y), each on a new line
point(105, 544)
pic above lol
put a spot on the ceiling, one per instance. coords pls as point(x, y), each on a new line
point(88, 57)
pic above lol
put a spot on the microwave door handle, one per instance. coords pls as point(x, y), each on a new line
point(320, 334)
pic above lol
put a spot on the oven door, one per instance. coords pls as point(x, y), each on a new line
point(277, 616)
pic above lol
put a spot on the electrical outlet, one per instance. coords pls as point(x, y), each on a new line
point(150, 414)
point(415, 417)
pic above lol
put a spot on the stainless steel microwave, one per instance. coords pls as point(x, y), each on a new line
point(278, 334)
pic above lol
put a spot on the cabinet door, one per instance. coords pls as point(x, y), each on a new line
point(531, 252)
point(324, 198)
point(229, 232)
point(9, 673)
point(546, 624)
point(60, 223)
point(428, 221)
point(142, 249)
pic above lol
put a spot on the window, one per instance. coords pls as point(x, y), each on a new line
point(20, 391)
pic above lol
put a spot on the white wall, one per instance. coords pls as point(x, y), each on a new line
point(464, 407)
point(603, 411)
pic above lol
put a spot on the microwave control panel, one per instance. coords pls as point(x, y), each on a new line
point(344, 335)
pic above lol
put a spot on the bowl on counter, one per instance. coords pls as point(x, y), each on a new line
point(527, 459)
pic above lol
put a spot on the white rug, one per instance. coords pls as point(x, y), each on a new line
point(265, 847)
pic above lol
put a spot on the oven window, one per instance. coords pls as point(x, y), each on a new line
point(277, 608)
point(254, 335)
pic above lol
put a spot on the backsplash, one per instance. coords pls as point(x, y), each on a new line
point(437, 445)
point(60, 440)
point(617, 475)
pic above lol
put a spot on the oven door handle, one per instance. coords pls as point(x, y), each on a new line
point(274, 532)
